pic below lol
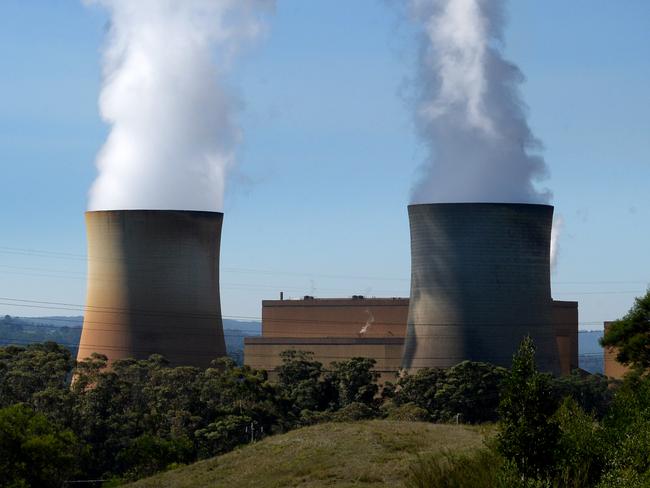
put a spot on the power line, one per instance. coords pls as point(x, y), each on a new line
point(85, 257)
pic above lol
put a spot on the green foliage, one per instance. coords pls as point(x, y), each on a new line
point(151, 401)
point(476, 469)
point(627, 430)
point(528, 433)
point(25, 371)
point(631, 335)
point(147, 454)
point(310, 417)
point(224, 434)
point(420, 389)
point(467, 392)
point(407, 412)
point(470, 392)
point(301, 381)
point(354, 411)
point(581, 450)
point(33, 451)
point(593, 393)
point(355, 381)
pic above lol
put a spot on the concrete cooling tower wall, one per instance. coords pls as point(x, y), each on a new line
point(480, 282)
point(153, 286)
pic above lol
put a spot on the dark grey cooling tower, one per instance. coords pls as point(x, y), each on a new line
point(480, 282)
point(153, 286)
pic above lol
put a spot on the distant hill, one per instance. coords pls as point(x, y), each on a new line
point(375, 453)
point(55, 321)
point(250, 327)
point(67, 332)
point(29, 330)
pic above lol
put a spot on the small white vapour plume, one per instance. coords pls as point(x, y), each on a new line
point(173, 132)
point(369, 322)
point(469, 109)
point(556, 230)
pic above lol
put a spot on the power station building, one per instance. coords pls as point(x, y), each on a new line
point(336, 329)
point(153, 286)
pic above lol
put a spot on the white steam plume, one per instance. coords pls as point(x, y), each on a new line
point(369, 322)
point(470, 113)
point(173, 130)
point(556, 230)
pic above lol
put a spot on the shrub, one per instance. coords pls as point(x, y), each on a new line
point(309, 417)
point(580, 455)
point(477, 469)
point(148, 454)
point(354, 411)
point(408, 412)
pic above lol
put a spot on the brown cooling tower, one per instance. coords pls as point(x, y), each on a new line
point(153, 286)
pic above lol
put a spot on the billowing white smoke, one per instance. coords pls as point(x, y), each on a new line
point(173, 130)
point(469, 109)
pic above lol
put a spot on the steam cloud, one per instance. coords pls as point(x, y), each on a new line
point(173, 129)
point(470, 113)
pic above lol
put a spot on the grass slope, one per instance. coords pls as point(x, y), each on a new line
point(374, 453)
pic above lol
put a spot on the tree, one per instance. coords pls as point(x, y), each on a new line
point(528, 434)
point(301, 380)
point(471, 391)
point(421, 389)
point(25, 371)
point(355, 381)
point(147, 454)
point(34, 451)
point(592, 392)
point(631, 335)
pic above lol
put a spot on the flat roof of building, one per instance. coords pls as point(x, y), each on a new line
point(356, 300)
point(397, 341)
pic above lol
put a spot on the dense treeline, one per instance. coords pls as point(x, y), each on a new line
point(139, 417)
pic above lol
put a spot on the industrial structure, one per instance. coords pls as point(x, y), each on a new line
point(153, 286)
point(337, 329)
point(480, 283)
point(333, 329)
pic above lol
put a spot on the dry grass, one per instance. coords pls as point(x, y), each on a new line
point(376, 453)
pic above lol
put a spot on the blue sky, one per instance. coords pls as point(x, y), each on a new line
point(317, 204)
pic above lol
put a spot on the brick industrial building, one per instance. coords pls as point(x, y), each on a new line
point(336, 329)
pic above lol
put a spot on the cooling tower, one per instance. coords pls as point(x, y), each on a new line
point(153, 286)
point(480, 282)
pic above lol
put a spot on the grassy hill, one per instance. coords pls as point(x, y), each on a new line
point(374, 453)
